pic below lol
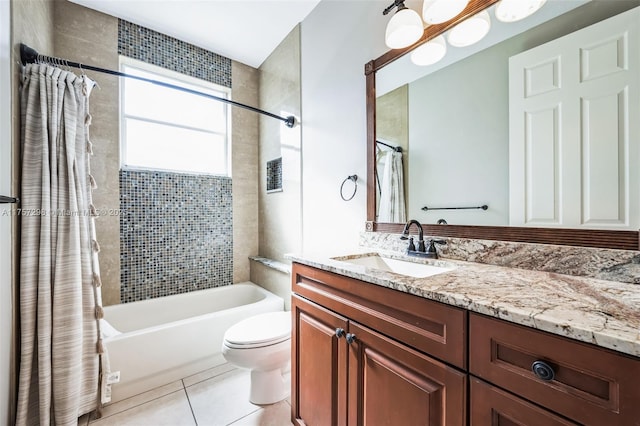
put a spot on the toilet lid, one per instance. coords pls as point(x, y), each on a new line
point(260, 330)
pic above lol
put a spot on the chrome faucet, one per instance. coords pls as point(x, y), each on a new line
point(422, 250)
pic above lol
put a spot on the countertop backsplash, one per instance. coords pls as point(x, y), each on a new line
point(605, 264)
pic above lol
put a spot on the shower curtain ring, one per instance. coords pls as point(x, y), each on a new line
point(354, 179)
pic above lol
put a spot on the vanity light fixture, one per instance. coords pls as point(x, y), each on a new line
point(439, 11)
point(515, 10)
point(430, 52)
point(404, 28)
point(471, 30)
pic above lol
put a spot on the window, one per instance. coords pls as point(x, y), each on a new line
point(168, 129)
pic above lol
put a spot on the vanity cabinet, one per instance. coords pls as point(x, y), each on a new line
point(364, 354)
point(495, 407)
point(581, 382)
point(346, 370)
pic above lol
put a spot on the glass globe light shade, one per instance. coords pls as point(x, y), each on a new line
point(430, 52)
point(515, 10)
point(439, 11)
point(404, 29)
point(471, 30)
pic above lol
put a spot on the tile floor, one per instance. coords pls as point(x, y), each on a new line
point(215, 397)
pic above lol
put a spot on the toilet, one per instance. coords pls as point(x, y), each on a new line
point(262, 344)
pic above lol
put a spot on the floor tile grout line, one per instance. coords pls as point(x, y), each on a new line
point(135, 406)
point(208, 378)
point(193, 413)
point(245, 416)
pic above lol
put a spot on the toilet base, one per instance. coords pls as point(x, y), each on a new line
point(269, 387)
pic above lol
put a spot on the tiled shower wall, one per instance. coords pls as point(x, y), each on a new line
point(176, 233)
point(176, 55)
point(176, 230)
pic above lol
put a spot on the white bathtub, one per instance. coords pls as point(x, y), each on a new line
point(168, 338)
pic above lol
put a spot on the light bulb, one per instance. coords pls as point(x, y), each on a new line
point(404, 29)
point(470, 31)
point(515, 10)
point(430, 52)
point(439, 11)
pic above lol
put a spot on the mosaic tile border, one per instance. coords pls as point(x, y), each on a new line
point(144, 44)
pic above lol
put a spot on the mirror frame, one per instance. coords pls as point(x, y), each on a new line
point(623, 240)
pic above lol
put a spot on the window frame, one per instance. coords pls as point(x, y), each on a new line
point(178, 78)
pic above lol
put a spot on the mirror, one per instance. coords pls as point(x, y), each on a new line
point(422, 110)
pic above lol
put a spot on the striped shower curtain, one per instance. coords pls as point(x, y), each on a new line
point(60, 303)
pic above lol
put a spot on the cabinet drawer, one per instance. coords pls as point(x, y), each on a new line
point(591, 385)
point(495, 407)
point(428, 326)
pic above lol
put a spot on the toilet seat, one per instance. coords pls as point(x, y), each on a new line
point(259, 331)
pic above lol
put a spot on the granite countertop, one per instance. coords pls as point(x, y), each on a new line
point(604, 313)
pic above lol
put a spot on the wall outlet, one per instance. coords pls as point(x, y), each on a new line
point(113, 377)
point(106, 394)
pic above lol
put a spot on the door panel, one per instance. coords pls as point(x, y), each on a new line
point(491, 406)
point(573, 140)
point(392, 384)
point(319, 365)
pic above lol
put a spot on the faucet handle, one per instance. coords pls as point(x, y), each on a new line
point(412, 246)
point(432, 245)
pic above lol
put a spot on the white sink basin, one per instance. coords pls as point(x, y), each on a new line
point(397, 266)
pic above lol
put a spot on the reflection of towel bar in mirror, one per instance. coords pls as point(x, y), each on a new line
point(395, 148)
point(483, 207)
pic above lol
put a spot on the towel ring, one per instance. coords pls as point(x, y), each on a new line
point(354, 179)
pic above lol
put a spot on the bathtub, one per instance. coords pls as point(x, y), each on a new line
point(162, 340)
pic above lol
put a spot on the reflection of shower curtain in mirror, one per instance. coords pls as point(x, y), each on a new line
point(391, 208)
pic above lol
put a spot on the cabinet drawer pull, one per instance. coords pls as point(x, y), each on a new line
point(339, 332)
point(351, 338)
point(543, 371)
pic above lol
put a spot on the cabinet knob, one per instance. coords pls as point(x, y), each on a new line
point(351, 338)
point(543, 371)
point(339, 332)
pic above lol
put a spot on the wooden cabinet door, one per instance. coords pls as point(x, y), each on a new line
point(318, 365)
point(392, 384)
point(494, 407)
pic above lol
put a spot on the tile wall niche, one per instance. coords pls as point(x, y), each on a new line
point(176, 233)
point(176, 230)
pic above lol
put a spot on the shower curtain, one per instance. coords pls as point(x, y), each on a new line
point(60, 302)
point(391, 207)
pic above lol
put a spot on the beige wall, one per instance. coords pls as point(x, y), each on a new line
point(244, 171)
point(31, 24)
point(84, 35)
point(280, 212)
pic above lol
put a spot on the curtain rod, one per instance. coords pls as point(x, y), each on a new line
point(395, 148)
point(30, 56)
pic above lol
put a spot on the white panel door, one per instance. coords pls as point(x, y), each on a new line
point(574, 129)
point(5, 215)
